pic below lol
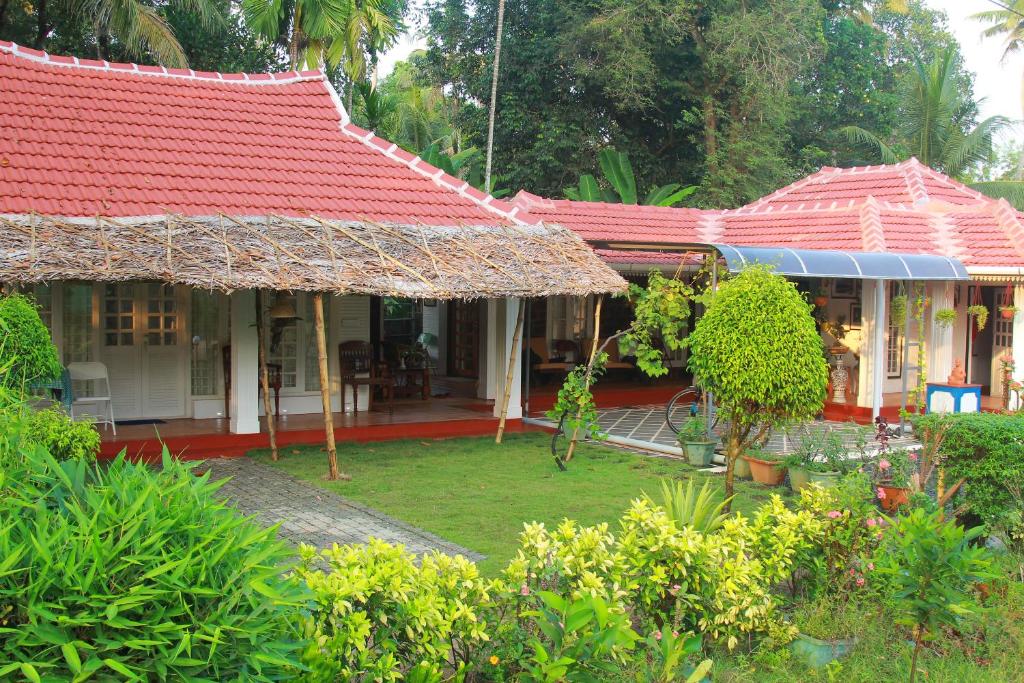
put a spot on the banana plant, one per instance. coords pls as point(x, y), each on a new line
point(618, 174)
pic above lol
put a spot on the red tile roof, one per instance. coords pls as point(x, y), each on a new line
point(83, 137)
point(905, 208)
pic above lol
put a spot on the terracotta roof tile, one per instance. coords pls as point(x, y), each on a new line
point(90, 137)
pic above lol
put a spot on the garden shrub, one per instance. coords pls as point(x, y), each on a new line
point(377, 616)
point(62, 437)
point(124, 571)
point(26, 351)
point(987, 450)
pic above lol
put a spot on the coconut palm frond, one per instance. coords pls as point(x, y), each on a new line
point(1010, 190)
point(858, 136)
point(965, 150)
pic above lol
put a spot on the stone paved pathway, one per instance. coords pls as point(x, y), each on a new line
point(308, 514)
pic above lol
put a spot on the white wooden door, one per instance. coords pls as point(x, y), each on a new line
point(141, 345)
point(163, 351)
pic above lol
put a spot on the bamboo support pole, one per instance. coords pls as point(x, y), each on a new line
point(261, 345)
point(586, 378)
point(513, 358)
point(325, 386)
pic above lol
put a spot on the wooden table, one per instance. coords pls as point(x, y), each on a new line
point(410, 381)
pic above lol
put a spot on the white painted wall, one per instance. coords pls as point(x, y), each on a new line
point(1018, 343)
point(508, 311)
point(244, 364)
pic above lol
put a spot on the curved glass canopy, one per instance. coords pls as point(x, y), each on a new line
point(860, 265)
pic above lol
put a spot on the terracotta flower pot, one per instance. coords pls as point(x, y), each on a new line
point(821, 301)
point(895, 497)
point(1007, 315)
point(766, 471)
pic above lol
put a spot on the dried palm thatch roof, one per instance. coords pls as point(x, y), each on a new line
point(305, 254)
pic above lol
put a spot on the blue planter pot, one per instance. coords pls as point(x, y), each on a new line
point(818, 653)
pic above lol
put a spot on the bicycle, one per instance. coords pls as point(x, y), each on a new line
point(686, 404)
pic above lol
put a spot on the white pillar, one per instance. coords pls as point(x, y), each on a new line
point(508, 330)
point(940, 341)
point(490, 343)
point(1018, 343)
point(876, 344)
point(244, 364)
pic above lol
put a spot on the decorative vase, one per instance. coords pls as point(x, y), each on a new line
point(766, 472)
point(699, 453)
point(840, 376)
point(826, 479)
point(895, 496)
point(818, 653)
point(741, 469)
point(798, 478)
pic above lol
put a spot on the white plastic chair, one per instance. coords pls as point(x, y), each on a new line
point(93, 372)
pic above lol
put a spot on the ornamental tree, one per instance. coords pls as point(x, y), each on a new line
point(26, 351)
point(757, 350)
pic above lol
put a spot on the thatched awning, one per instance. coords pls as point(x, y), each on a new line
point(305, 254)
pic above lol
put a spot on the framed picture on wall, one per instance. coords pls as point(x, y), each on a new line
point(843, 288)
point(855, 315)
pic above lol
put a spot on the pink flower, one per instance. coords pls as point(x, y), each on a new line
point(871, 566)
point(852, 571)
point(675, 634)
point(833, 514)
point(913, 457)
point(884, 464)
point(657, 635)
point(871, 522)
point(675, 589)
point(860, 580)
point(524, 590)
point(880, 492)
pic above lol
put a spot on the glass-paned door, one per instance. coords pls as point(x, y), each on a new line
point(464, 339)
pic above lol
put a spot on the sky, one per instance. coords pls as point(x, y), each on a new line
point(997, 82)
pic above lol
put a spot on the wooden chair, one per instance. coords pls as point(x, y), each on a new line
point(548, 365)
point(359, 369)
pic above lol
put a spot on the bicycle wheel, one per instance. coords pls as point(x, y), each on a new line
point(681, 407)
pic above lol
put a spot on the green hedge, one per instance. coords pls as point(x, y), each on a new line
point(987, 449)
point(124, 571)
point(26, 351)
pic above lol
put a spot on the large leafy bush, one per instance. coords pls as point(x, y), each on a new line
point(26, 350)
point(62, 437)
point(757, 349)
point(124, 571)
point(987, 451)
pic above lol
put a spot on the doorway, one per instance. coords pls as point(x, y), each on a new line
point(141, 344)
point(464, 339)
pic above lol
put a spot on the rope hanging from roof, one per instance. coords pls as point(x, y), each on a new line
point(306, 254)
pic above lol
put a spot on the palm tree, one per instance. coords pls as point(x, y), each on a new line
point(494, 96)
point(325, 32)
point(139, 27)
point(933, 126)
point(1006, 23)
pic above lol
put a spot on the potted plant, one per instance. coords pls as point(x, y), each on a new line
point(830, 462)
point(1007, 312)
point(765, 468)
point(893, 472)
point(741, 468)
point(827, 630)
point(945, 317)
point(796, 465)
point(693, 439)
point(821, 298)
point(899, 310)
point(980, 314)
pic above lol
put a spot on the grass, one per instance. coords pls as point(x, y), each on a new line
point(478, 494)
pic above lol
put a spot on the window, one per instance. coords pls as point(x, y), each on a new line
point(402, 321)
point(206, 348)
point(1002, 330)
point(283, 345)
point(894, 342)
point(161, 315)
point(119, 314)
point(77, 322)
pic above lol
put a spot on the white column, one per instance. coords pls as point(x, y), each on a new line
point(872, 360)
point(508, 330)
point(244, 364)
point(940, 341)
point(1018, 343)
point(490, 343)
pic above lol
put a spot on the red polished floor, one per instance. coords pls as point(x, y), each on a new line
point(191, 439)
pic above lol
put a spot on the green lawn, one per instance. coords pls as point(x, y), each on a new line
point(478, 494)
